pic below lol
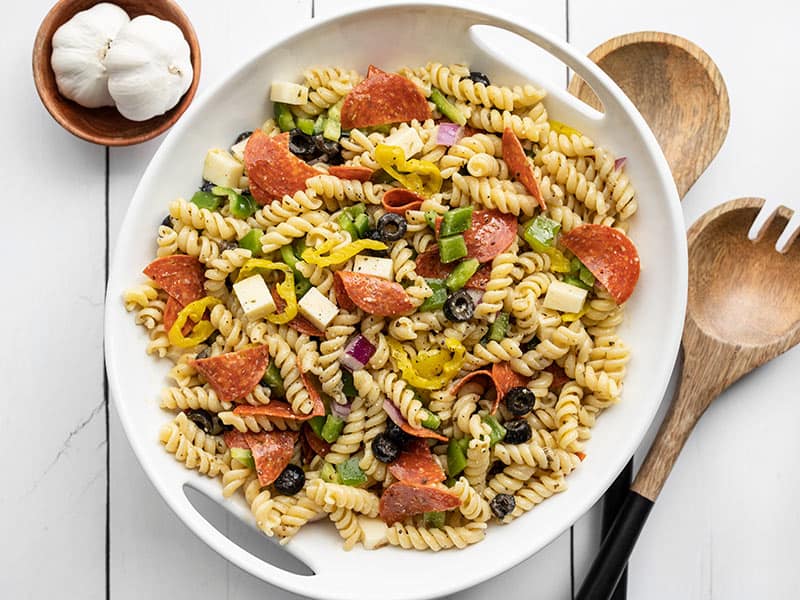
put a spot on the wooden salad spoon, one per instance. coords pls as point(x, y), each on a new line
point(743, 310)
point(681, 94)
point(677, 88)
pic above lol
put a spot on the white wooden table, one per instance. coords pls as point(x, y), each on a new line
point(79, 519)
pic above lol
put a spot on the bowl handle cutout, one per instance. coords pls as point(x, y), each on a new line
point(293, 574)
point(616, 106)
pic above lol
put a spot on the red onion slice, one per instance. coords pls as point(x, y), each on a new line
point(447, 134)
point(341, 410)
point(357, 353)
point(620, 162)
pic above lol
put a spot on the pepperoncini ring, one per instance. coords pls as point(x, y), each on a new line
point(285, 288)
point(419, 373)
point(201, 329)
point(321, 258)
point(563, 128)
point(420, 176)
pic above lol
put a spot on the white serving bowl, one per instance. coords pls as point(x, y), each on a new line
point(392, 36)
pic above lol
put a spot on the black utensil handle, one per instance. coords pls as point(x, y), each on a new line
point(613, 500)
point(616, 549)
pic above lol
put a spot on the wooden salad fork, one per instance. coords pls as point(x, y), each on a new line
point(743, 310)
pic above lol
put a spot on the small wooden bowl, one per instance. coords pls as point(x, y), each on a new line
point(106, 125)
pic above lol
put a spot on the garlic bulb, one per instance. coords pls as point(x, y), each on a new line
point(149, 68)
point(79, 51)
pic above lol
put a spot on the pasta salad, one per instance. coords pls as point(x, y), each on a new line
point(393, 305)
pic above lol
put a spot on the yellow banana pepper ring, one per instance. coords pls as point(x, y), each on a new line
point(285, 288)
point(563, 128)
point(420, 176)
point(318, 257)
point(418, 373)
point(202, 328)
point(570, 317)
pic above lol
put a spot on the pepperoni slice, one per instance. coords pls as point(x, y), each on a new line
point(180, 275)
point(171, 311)
point(276, 409)
point(489, 233)
point(399, 420)
point(235, 439)
point(235, 374)
point(399, 200)
point(505, 378)
point(373, 295)
point(272, 451)
point(416, 464)
point(429, 265)
point(342, 297)
point(383, 98)
point(521, 169)
point(358, 173)
point(317, 444)
point(559, 376)
point(610, 256)
point(402, 500)
point(474, 375)
point(299, 323)
point(274, 171)
point(313, 391)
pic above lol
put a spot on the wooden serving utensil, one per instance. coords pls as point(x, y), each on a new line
point(742, 311)
point(677, 88)
point(682, 96)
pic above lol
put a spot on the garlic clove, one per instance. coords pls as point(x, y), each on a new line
point(149, 68)
point(79, 51)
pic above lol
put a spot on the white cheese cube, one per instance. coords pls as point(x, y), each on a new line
point(373, 532)
point(288, 93)
point(407, 139)
point(372, 265)
point(564, 297)
point(220, 168)
point(238, 149)
point(254, 296)
point(315, 307)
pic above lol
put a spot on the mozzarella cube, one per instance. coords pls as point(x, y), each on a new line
point(220, 168)
point(372, 265)
point(254, 296)
point(564, 297)
point(288, 93)
point(408, 139)
point(315, 307)
point(373, 532)
point(238, 149)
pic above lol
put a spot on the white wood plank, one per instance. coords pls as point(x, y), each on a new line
point(712, 535)
point(52, 405)
point(145, 534)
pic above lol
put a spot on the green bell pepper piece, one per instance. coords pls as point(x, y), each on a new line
point(585, 275)
point(362, 224)
point(241, 206)
point(499, 329)
point(455, 221)
point(541, 232)
point(461, 274)
point(328, 473)
point(252, 242)
point(355, 210)
point(447, 109)
point(290, 258)
point(431, 421)
point(452, 248)
point(244, 456)
point(348, 387)
point(316, 424)
point(332, 428)
point(301, 286)
point(430, 218)
point(350, 473)
point(284, 117)
point(436, 300)
point(346, 223)
point(305, 125)
point(577, 282)
point(456, 458)
point(273, 380)
point(319, 125)
point(498, 431)
point(299, 246)
point(333, 124)
point(433, 519)
point(205, 200)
